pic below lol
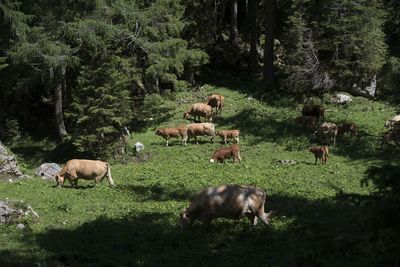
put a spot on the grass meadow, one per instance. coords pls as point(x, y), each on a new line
point(318, 211)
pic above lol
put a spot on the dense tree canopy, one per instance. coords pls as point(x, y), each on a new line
point(74, 62)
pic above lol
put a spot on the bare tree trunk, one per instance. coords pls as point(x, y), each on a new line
point(58, 104)
point(253, 6)
point(234, 34)
point(269, 74)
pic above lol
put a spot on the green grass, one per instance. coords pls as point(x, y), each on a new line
point(318, 218)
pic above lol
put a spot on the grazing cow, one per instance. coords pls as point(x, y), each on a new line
point(76, 169)
point(391, 136)
point(224, 153)
point(317, 111)
point(179, 132)
point(347, 128)
point(308, 122)
point(199, 110)
point(321, 153)
point(216, 101)
point(392, 122)
point(201, 129)
point(233, 134)
point(226, 201)
point(327, 132)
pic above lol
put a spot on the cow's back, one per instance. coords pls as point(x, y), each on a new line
point(86, 168)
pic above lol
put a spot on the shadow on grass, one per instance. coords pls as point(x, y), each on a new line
point(328, 232)
point(156, 192)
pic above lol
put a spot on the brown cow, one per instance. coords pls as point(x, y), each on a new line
point(317, 111)
point(308, 122)
point(179, 132)
point(216, 101)
point(347, 128)
point(233, 134)
point(76, 169)
point(224, 153)
point(226, 201)
point(321, 153)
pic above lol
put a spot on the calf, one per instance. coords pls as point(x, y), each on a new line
point(224, 153)
point(216, 101)
point(233, 134)
point(226, 201)
point(179, 132)
point(201, 129)
point(76, 169)
point(321, 153)
point(391, 136)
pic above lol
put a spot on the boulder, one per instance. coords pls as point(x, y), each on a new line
point(8, 164)
point(48, 170)
point(11, 212)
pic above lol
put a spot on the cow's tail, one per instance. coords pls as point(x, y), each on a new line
point(110, 180)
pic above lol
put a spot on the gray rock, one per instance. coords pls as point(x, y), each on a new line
point(8, 164)
point(20, 226)
point(48, 170)
point(139, 146)
point(287, 162)
point(10, 214)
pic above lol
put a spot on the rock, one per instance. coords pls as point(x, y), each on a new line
point(8, 164)
point(287, 162)
point(9, 213)
point(48, 170)
point(139, 146)
point(20, 226)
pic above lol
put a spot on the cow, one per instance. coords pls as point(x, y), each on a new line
point(327, 132)
point(224, 153)
point(233, 134)
point(76, 169)
point(226, 201)
point(198, 110)
point(179, 132)
point(201, 129)
point(321, 153)
point(390, 124)
point(308, 122)
point(347, 128)
point(216, 101)
point(317, 111)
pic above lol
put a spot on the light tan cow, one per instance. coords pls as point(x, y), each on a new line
point(201, 129)
point(226, 201)
point(327, 132)
point(198, 110)
point(216, 101)
point(76, 169)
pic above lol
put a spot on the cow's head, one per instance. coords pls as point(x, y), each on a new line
point(185, 220)
point(59, 179)
point(158, 132)
point(186, 115)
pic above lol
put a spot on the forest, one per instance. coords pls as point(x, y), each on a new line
point(90, 79)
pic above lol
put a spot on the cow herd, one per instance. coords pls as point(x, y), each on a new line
point(226, 201)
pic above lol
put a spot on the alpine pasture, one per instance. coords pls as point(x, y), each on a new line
point(316, 213)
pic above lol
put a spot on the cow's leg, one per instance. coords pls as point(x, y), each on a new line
point(264, 217)
point(73, 182)
point(253, 218)
point(167, 141)
point(206, 225)
point(225, 140)
point(316, 160)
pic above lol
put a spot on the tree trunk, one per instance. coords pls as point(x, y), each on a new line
point(58, 104)
point(269, 75)
point(234, 34)
point(253, 6)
